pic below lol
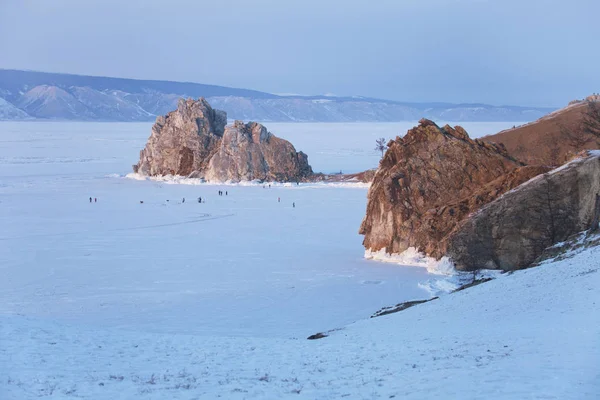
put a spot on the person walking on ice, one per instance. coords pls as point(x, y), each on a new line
point(90, 199)
point(293, 205)
point(279, 199)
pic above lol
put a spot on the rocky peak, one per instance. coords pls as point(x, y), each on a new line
point(593, 97)
point(200, 111)
point(182, 141)
point(421, 176)
point(253, 131)
point(194, 141)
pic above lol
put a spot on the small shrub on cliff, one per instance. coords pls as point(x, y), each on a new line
point(380, 145)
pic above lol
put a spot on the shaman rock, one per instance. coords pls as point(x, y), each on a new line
point(194, 141)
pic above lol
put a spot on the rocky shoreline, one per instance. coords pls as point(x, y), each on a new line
point(441, 193)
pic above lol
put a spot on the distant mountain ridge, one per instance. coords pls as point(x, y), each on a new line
point(41, 95)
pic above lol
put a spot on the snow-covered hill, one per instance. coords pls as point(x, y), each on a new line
point(10, 112)
point(88, 98)
point(533, 334)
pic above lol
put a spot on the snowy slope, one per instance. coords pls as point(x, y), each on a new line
point(10, 112)
point(46, 101)
point(534, 334)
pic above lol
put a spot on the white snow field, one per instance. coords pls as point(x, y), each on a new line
point(180, 300)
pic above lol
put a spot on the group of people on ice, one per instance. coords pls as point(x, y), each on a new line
point(201, 200)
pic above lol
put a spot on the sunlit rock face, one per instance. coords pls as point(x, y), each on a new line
point(429, 182)
point(195, 141)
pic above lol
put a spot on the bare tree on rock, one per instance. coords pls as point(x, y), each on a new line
point(381, 145)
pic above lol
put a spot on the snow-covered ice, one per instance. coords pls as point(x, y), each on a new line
point(171, 299)
point(534, 334)
point(241, 264)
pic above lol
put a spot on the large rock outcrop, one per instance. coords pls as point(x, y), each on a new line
point(195, 141)
point(512, 231)
point(184, 140)
point(429, 181)
point(249, 151)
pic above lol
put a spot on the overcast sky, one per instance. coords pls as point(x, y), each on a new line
point(523, 52)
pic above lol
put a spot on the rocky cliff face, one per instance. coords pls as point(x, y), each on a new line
point(183, 141)
point(429, 181)
point(249, 151)
point(513, 230)
point(194, 141)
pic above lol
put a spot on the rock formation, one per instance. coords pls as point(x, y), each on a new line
point(249, 151)
point(194, 141)
point(512, 231)
point(447, 195)
point(428, 182)
point(552, 139)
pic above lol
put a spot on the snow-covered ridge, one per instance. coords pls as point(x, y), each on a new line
point(88, 98)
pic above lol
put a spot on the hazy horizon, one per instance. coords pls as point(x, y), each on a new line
point(534, 53)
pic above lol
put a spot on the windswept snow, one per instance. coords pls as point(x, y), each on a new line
point(532, 334)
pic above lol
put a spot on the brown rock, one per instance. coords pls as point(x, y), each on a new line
point(182, 141)
point(194, 141)
point(249, 151)
point(428, 182)
point(513, 230)
point(552, 139)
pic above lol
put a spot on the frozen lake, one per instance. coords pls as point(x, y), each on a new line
point(238, 265)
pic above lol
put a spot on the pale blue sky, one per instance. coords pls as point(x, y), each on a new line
point(523, 52)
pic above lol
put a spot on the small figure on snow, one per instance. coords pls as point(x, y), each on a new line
point(294, 205)
point(90, 199)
